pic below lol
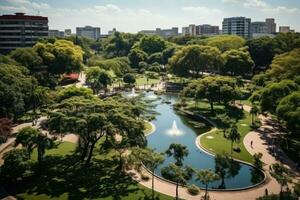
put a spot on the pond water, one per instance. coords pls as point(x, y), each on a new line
point(167, 121)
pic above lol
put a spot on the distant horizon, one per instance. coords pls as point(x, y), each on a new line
point(137, 15)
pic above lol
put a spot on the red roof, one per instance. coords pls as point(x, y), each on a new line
point(72, 76)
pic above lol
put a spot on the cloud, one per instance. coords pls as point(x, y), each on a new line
point(202, 10)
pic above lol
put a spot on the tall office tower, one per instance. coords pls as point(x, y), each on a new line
point(21, 30)
point(271, 25)
point(237, 26)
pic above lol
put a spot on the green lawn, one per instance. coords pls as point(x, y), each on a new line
point(140, 81)
point(64, 178)
point(148, 128)
point(219, 144)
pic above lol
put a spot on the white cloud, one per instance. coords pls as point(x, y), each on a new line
point(202, 10)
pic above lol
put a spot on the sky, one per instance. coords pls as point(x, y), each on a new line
point(135, 15)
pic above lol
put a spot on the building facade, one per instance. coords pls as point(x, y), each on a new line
point(208, 30)
point(237, 26)
point(271, 25)
point(161, 32)
point(285, 29)
point(89, 32)
point(68, 32)
point(56, 33)
point(192, 30)
point(21, 30)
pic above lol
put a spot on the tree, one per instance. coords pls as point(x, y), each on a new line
point(254, 110)
point(136, 56)
point(289, 111)
point(129, 78)
point(257, 160)
point(195, 59)
point(225, 42)
point(261, 51)
point(206, 176)
point(285, 42)
point(178, 151)
point(27, 57)
point(225, 167)
point(15, 164)
point(238, 62)
point(73, 91)
point(233, 136)
point(5, 129)
point(15, 85)
point(155, 58)
point(177, 174)
point(214, 89)
point(31, 138)
point(281, 174)
point(149, 158)
point(38, 98)
point(285, 66)
point(117, 45)
point(151, 44)
point(272, 94)
point(97, 118)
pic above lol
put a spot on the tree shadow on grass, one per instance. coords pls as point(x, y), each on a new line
point(62, 176)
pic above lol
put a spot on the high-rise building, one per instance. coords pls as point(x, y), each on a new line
point(161, 32)
point(21, 30)
point(285, 29)
point(207, 29)
point(271, 25)
point(56, 33)
point(237, 26)
point(89, 32)
point(192, 29)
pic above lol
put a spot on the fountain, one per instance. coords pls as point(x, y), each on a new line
point(174, 131)
point(133, 94)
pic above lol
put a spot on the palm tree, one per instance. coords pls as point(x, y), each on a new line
point(234, 136)
point(149, 158)
point(281, 174)
point(253, 112)
point(177, 174)
point(178, 151)
point(206, 176)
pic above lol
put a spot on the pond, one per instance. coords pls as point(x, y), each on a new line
point(173, 128)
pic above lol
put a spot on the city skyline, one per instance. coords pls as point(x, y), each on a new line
point(139, 15)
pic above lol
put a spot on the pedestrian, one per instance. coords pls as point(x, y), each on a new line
point(266, 192)
point(251, 144)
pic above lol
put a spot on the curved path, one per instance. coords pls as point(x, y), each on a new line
point(261, 143)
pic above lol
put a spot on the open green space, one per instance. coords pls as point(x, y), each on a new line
point(142, 80)
point(216, 143)
point(64, 178)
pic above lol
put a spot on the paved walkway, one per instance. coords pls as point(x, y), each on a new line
point(261, 143)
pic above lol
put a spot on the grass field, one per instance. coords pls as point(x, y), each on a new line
point(140, 81)
point(64, 178)
point(219, 144)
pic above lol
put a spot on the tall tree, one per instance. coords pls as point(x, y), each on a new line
point(149, 158)
point(193, 59)
point(206, 176)
point(281, 174)
point(136, 56)
point(234, 136)
point(27, 57)
point(178, 152)
point(177, 174)
point(254, 110)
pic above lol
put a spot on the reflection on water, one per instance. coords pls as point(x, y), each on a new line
point(237, 176)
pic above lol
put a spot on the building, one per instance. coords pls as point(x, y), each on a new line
point(56, 33)
point(161, 32)
point(271, 26)
point(21, 30)
point(68, 32)
point(208, 30)
point(89, 32)
point(237, 26)
point(112, 31)
point(285, 29)
point(190, 30)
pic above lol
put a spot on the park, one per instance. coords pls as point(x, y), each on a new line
point(144, 117)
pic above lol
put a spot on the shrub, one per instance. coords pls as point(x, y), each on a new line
point(193, 189)
point(237, 149)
